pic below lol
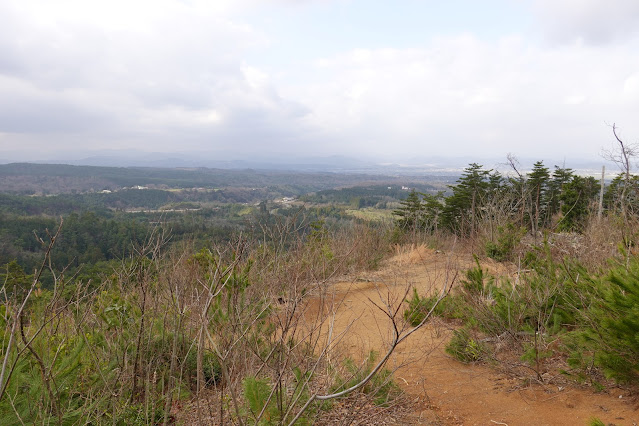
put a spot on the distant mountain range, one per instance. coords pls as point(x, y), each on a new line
point(336, 163)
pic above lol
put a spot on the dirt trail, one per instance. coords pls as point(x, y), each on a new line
point(449, 392)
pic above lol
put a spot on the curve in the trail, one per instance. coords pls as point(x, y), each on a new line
point(449, 392)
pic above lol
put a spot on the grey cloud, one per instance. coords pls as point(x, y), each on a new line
point(49, 117)
point(590, 21)
point(152, 89)
point(28, 109)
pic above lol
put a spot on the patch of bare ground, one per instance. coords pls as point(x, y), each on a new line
point(442, 390)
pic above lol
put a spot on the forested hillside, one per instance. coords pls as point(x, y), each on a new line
point(199, 206)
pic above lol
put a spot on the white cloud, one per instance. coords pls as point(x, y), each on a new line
point(254, 77)
point(464, 96)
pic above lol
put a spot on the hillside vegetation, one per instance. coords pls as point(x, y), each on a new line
point(113, 316)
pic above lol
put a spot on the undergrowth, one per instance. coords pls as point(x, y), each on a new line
point(381, 387)
point(556, 314)
point(166, 325)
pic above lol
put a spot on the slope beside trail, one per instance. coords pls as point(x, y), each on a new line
point(446, 391)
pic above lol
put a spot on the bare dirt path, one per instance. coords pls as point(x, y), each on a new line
point(449, 392)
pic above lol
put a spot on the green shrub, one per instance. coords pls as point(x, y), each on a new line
point(614, 324)
point(33, 402)
point(256, 393)
point(466, 348)
point(261, 394)
point(596, 317)
point(138, 414)
point(450, 307)
point(508, 237)
point(546, 299)
point(211, 367)
point(476, 280)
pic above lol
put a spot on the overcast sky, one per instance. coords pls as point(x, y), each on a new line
point(362, 78)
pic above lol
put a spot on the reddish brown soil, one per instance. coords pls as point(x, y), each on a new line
point(449, 392)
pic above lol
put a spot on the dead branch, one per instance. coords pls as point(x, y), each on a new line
point(16, 319)
point(398, 338)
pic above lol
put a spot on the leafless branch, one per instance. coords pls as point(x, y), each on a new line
point(16, 319)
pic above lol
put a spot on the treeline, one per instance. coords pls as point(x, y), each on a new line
point(88, 239)
point(559, 200)
point(99, 235)
point(379, 196)
point(94, 237)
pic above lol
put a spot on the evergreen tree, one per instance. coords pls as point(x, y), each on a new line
point(496, 184)
point(462, 207)
point(538, 182)
point(616, 329)
point(576, 200)
point(16, 281)
point(614, 191)
point(409, 215)
point(560, 177)
point(433, 206)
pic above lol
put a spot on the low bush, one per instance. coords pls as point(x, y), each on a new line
point(260, 402)
point(465, 347)
point(381, 387)
point(611, 324)
point(450, 307)
point(507, 239)
point(551, 310)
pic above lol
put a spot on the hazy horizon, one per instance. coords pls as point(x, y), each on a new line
point(337, 164)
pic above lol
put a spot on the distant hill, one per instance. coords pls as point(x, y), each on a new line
point(30, 178)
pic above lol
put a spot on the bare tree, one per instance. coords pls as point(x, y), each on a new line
point(623, 154)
